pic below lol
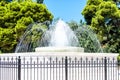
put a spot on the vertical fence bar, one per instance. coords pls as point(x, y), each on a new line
point(56, 69)
point(105, 67)
point(53, 70)
point(62, 67)
point(47, 71)
point(113, 62)
point(41, 72)
point(111, 69)
point(44, 77)
point(97, 68)
point(100, 68)
point(72, 69)
point(16, 68)
point(0, 69)
point(31, 64)
point(94, 63)
point(75, 68)
point(69, 63)
point(50, 67)
point(34, 71)
point(92, 69)
point(118, 65)
point(27, 65)
point(89, 70)
point(19, 68)
point(108, 69)
point(12, 68)
point(37, 68)
point(24, 67)
point(59, 70)
point(66, 68)
point(81, 67)
point(7, 65)
point(78, 69)
point(86, 63)
point(116, 69)
point(84, 77)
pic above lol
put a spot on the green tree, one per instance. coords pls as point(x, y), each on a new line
point(117, 3)
point(38, 1)
point(32, 37)
point(73, 24)
point(105, 22)
point(86, 37)
point(14, 19)
point(90, 10)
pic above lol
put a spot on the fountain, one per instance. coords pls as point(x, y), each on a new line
point(57, 38)
point(62, 39)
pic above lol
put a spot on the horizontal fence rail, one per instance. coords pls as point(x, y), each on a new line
point(59, 68)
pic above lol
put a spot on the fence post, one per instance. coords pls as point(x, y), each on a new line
point(66, 68)
point(105, 67)
point(0, 69)
point(19, 68)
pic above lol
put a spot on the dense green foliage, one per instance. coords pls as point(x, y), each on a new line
point(86, 37)
point(32, 37)
point(38, 1)
point(14, 19)
point(104, 18)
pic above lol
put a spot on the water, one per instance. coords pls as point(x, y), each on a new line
point(88, 39)
point(61, 35)
point(30, 39)
point(58, 34)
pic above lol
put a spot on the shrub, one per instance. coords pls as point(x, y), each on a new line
point(14, 19)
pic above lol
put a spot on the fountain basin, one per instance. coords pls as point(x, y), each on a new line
point(59, 49)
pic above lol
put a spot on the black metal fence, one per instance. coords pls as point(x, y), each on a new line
point(59, 68)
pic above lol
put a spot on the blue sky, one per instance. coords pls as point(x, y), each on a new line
point(66, 9)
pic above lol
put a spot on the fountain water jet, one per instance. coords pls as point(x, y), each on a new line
point(62, 35)
point(62, 39)
point(58, 37)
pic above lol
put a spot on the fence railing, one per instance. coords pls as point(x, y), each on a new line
point(59, 68)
